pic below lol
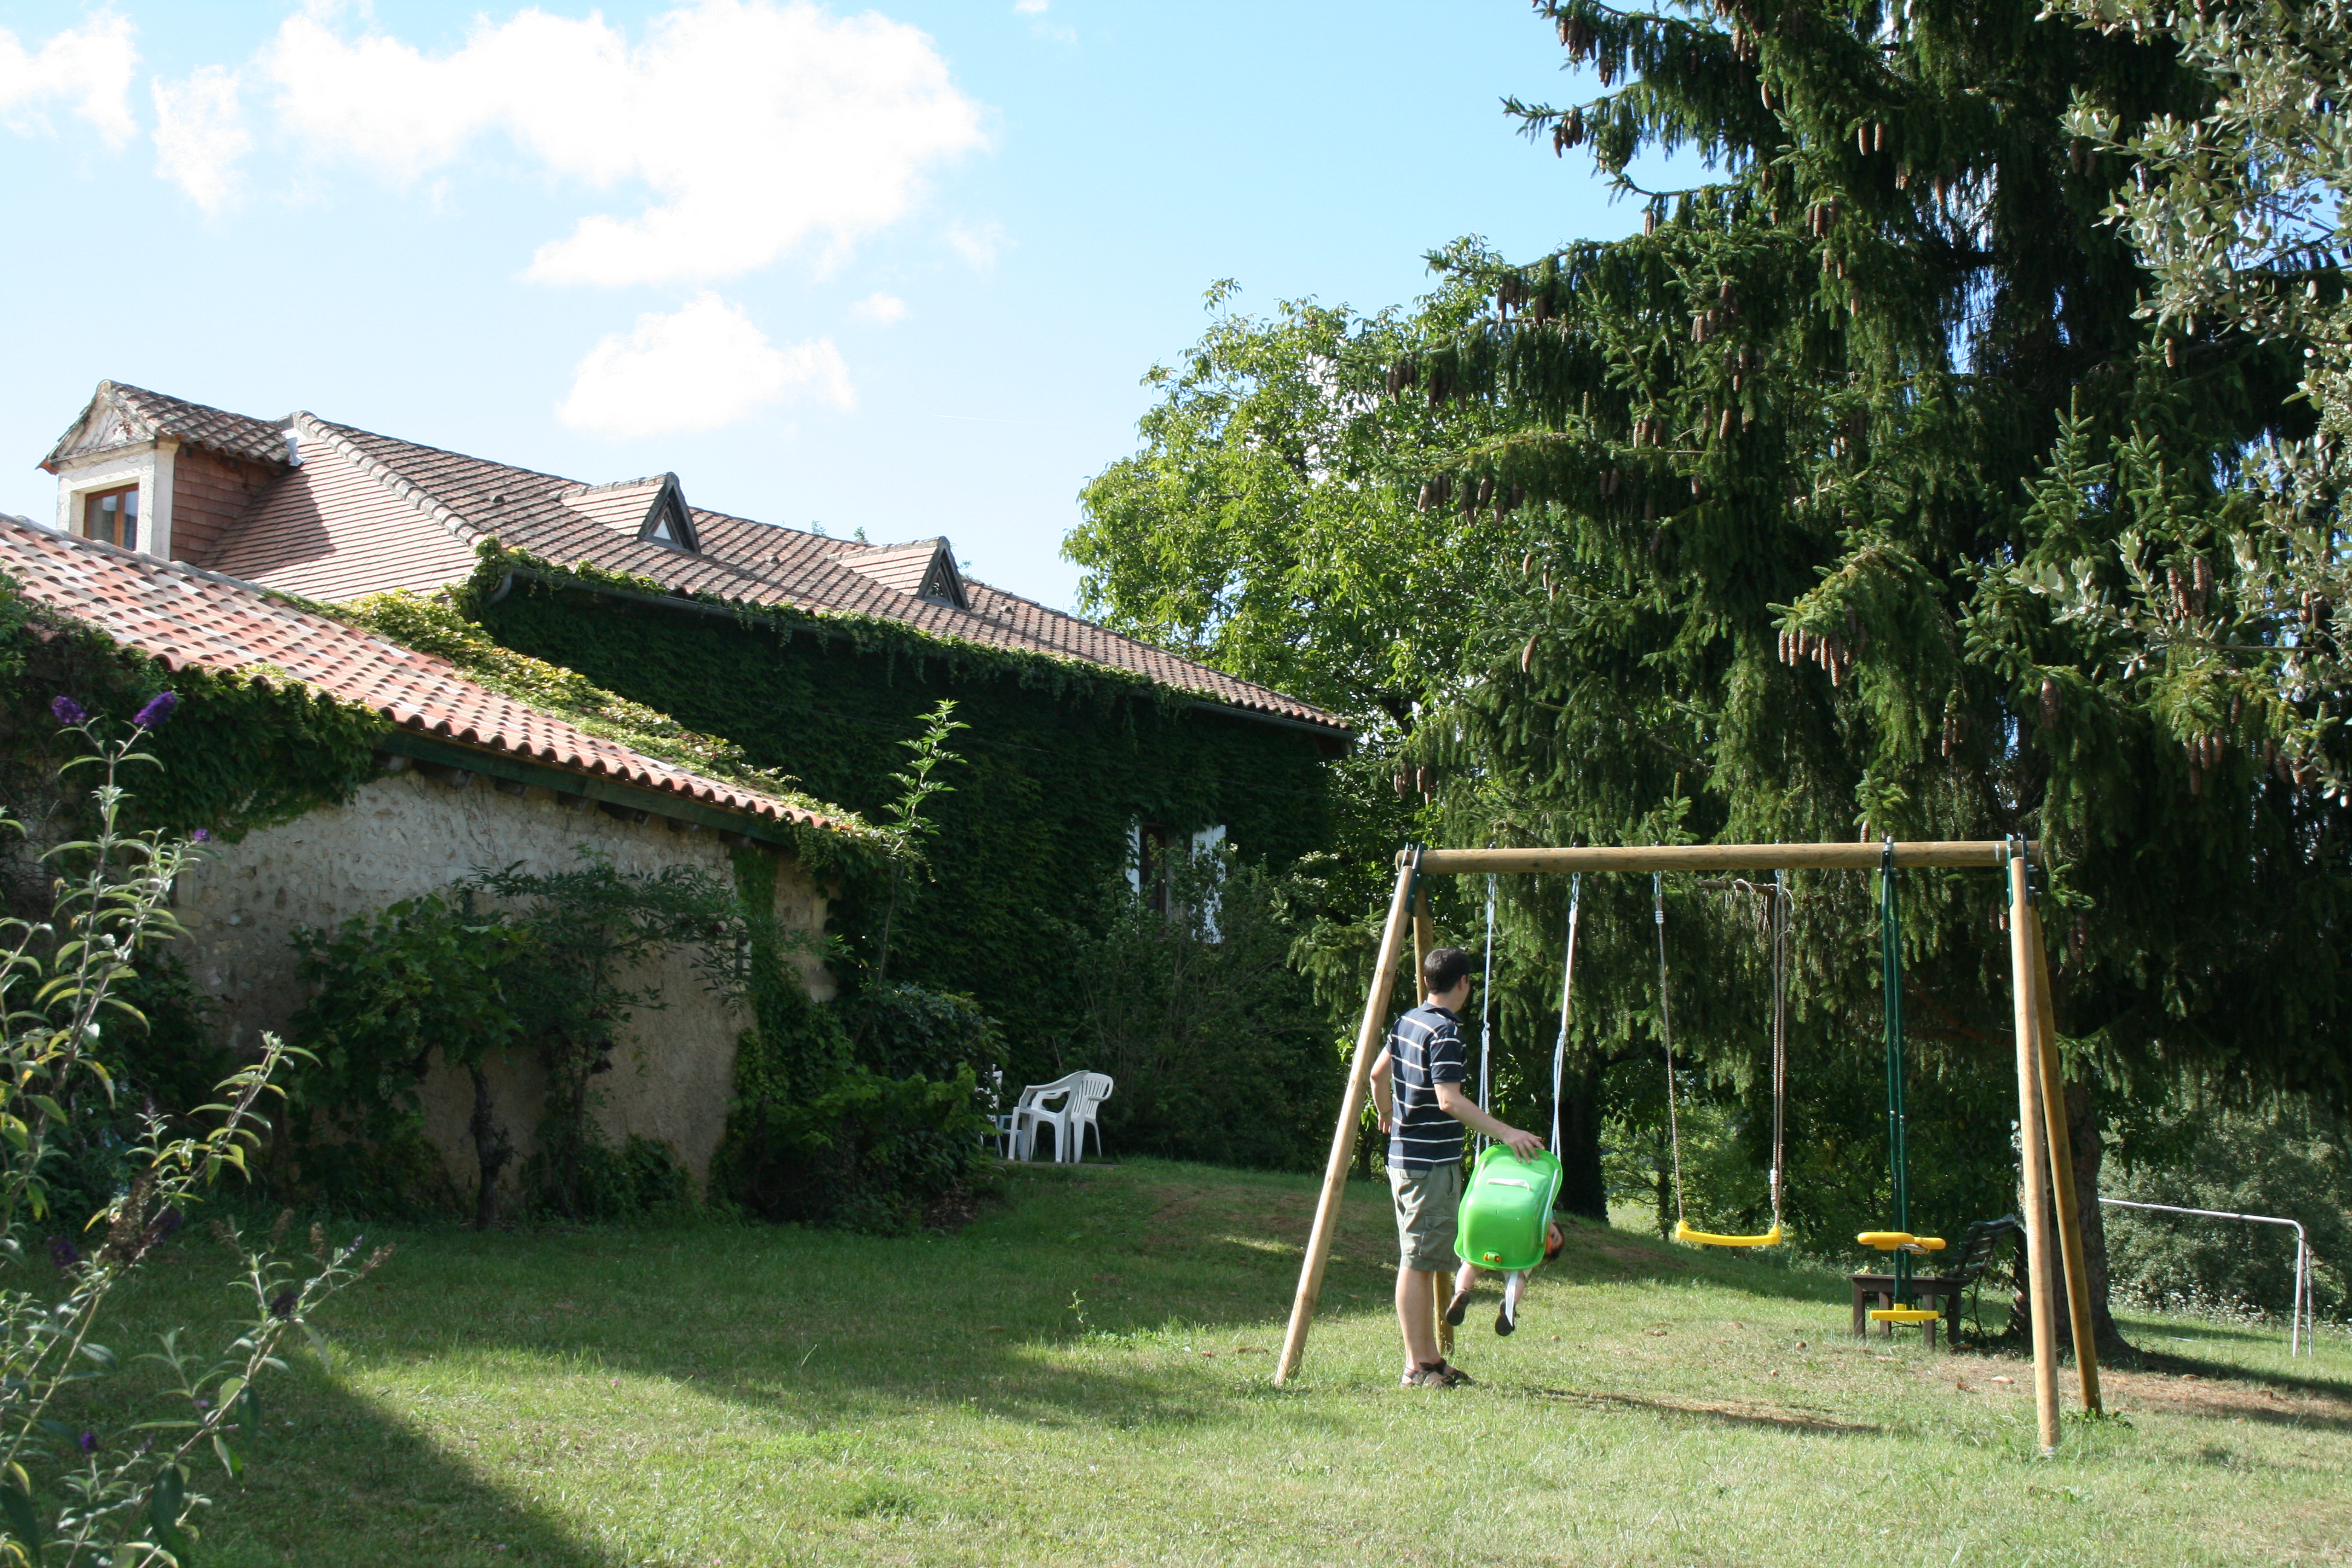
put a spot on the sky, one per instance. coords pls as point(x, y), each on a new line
point(898, 270)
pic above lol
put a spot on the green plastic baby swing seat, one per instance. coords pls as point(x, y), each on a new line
point(1508, 1209)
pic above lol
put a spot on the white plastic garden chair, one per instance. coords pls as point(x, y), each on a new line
point(1078, 1095)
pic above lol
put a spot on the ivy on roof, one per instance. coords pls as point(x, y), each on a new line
point(433, 626)
point(1064, 675)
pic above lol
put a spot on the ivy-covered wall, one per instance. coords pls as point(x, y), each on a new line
point(239, 753)
point(1057, 764)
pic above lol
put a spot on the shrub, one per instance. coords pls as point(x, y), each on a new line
point(901, 1031)
point(1214, 1042)
point(455, 976)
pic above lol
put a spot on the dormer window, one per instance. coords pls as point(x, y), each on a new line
point(652, 510)
point(112, 516)
point(668, 523)
point(926, 569)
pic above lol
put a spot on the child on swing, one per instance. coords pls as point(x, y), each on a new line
point(1515, 1285)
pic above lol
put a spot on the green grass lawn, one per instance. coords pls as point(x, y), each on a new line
point(1082, 1377)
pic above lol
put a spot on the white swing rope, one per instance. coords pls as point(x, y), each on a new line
point(1567, 989)
point(1487, 1001)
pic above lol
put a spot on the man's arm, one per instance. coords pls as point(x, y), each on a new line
point(1383, 1091)
point(1465, 1110)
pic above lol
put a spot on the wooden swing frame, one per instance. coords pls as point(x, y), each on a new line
point(2045, 1154)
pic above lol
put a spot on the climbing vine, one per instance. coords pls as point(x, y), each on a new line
point(1063, 764)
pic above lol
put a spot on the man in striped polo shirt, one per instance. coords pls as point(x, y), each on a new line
point(1417, 1084)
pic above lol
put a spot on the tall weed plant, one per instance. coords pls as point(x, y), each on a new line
point(119, 1486)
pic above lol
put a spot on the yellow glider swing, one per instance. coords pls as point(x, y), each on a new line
point(1777, 931)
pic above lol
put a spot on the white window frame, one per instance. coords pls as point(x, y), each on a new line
point(148, 466)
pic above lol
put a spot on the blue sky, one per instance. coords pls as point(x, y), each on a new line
point(898, 269)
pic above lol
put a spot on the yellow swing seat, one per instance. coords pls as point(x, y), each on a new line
point(1890, 1240)
point(1683, 1232)
point(1904, 1314)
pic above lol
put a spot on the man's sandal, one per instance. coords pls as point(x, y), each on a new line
point(1437, 1374)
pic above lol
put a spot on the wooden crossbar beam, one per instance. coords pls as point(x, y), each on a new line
point(1982, 854)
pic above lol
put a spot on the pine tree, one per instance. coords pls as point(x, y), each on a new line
point(1786, 453)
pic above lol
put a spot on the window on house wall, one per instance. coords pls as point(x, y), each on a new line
point(1147, 863)
point(1154, 849)
point(1211, 842)
point(112, 516)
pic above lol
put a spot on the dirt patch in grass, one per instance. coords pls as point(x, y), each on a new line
point(1635, 1258)
point(1726, 1412)
point(2225, 1401)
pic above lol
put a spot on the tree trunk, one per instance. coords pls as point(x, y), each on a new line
point(492, 1149)
point(2085, 1125)
point(1583, 1189)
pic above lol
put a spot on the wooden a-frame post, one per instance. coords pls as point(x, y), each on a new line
point(2035, 1034)
point(2023, 944)
point(1351, 1111)
point(2061, 1172)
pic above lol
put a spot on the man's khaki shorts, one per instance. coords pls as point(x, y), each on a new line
point(1426, 1202)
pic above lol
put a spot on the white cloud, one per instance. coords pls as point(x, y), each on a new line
point(757, 126)
point(1030, 7)
point(200, 134)
point(979, 245)
point(879, 308)
point(89, 67)
point(698, 368)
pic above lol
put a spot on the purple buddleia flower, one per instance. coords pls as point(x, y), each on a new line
point(159, 708)
point(202, 836)
point(89, 1441)
point(68, 711)
point(62, 1253)
point(282, 1307)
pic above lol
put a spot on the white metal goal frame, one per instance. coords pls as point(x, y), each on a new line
point(2299, 1314)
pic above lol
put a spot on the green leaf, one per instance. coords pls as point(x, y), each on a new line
point(166, 1500)
point(229, 1461)
point(23, 1520)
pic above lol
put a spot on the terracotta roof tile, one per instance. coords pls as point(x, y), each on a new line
point(180, 615)
point(761, 564)
point(236, 434)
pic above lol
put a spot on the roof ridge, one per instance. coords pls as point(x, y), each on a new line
point(391, 479)
point(580, 489)
point(437, 451)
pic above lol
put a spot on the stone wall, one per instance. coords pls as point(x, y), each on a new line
point(406, 833)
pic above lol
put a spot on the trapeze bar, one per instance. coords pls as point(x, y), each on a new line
point(1991, 853)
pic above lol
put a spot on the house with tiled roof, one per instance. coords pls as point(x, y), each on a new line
point(464, 780)
point(1089, 756)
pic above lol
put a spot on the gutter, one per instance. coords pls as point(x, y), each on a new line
point(1338, 733)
